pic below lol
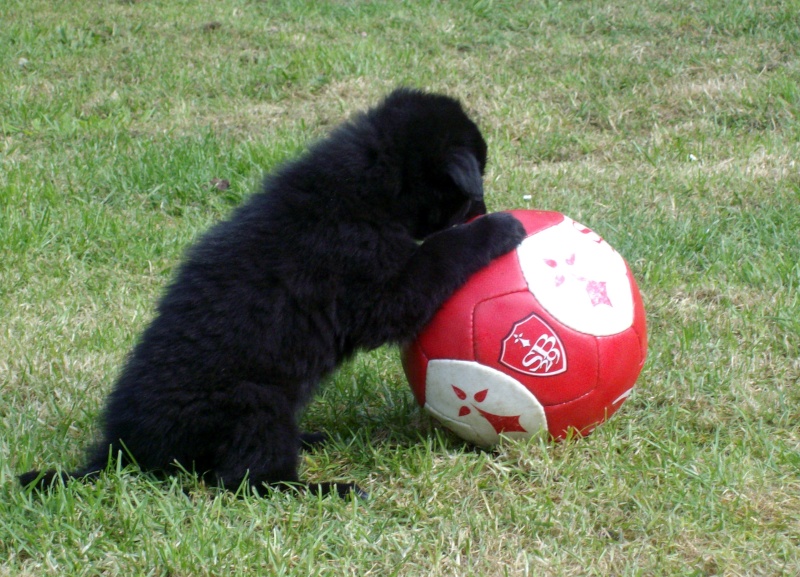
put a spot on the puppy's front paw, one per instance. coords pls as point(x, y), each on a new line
point(504, 232)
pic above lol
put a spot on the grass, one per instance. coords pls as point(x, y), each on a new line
point(670, 128)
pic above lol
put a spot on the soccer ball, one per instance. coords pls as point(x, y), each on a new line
point(549, 337)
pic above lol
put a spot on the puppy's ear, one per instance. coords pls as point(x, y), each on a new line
point(463, 168)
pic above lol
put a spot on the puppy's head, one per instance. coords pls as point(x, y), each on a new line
point(443, 157)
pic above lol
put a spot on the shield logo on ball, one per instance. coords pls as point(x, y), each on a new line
point(532, 347)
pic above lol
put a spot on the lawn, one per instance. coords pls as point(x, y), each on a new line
point(670, 128)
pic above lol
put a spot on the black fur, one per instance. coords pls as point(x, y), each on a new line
point(322, 262)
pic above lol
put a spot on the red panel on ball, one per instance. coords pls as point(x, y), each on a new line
point(415, 366)
point(516, 336)
point(449, 334)
point(639, 317)
point(537, 220)
point(580, 416)
point(619, 355)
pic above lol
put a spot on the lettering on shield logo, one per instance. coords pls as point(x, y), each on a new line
point(533, 348)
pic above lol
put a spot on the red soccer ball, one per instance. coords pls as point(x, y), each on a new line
point(549, 337)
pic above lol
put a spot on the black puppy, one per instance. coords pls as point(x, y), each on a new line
point(322, 262)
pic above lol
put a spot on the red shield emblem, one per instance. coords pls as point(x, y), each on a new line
point(533, 348)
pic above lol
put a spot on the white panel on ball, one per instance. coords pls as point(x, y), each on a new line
point(578, 278)
point(479, 403)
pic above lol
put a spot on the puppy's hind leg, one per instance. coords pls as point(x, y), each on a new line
point(271, 469)
point(263, 447)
